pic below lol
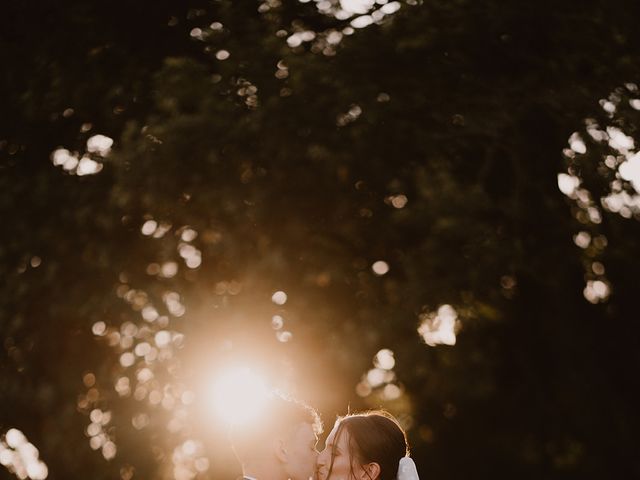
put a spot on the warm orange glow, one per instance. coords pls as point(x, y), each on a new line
point(237, 395)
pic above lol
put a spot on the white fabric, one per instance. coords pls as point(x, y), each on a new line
point(407, 469)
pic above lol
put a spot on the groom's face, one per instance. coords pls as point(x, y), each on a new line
point(301, 453)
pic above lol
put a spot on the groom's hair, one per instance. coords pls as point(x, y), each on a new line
point(281, 416)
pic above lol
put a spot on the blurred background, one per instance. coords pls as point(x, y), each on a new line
point(424, 205)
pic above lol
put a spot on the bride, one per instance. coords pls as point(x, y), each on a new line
point(366, 446)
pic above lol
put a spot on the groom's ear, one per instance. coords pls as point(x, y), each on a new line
point(280, 450)
point(370, 471)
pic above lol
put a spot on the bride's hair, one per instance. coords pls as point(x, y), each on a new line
point(374, 436)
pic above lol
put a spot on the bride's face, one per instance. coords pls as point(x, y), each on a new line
point(337, 450)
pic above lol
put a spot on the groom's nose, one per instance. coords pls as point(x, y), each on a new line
point(321, 459)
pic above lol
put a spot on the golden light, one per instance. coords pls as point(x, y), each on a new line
point(439, 328)
point(357, 6)
point(21, 457)
point(380, 267)
point(238, 395)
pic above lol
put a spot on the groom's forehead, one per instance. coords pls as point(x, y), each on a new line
point(304, 431)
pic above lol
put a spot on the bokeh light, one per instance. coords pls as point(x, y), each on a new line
point(279, 298)
point(380, 267)
point(100, 144)
point(97, 147)
point(607, 145)
point(440, 327)
point(357, 6)
point(381, 380)
point(21, 457)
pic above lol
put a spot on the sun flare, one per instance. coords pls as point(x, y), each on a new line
point(237, 395)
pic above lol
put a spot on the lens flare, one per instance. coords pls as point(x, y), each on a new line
point(238, 395)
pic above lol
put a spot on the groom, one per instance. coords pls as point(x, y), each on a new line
point(280, 445)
